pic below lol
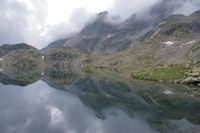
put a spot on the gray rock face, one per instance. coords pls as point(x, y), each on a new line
point(176, 26)
point(104, 37)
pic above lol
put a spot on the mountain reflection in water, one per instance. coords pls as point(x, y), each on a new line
point(95, 105)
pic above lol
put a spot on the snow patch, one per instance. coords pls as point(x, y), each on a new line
point(169, 43)
point(188, 43)
point(109, 36)
point(1, 70)
point(1, 59)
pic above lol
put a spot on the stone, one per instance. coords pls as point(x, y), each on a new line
point(191, 80)
point(194, 74)
point(187, 66)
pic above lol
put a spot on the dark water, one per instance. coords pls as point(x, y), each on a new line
point(97, 106)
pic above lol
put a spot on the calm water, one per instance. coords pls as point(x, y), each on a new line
point(97, 106)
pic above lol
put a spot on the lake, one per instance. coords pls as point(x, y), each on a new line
point(94, 105)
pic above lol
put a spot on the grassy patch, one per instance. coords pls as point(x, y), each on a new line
point(170, 73)
point(195, 48)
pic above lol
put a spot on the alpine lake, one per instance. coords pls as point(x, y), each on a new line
point(70, 103)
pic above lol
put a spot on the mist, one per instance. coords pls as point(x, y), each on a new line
point(24, 23)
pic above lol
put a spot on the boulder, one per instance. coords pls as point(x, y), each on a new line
point(191, 80)
point(194, 74)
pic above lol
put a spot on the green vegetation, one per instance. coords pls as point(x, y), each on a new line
point(23, 63)
point(172, 73)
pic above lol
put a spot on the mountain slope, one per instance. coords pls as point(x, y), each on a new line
point(177, 26)
point(102, 36)
point(169, 52)
point(21, 62)
point(6, 49)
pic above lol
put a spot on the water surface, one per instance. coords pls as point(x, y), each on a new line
point(97, 106)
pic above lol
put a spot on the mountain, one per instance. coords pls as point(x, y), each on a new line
point(169, 51)
point(6, 49)
point(103, 36)
point(55, 44)
point(23, 63)
point(177, 26)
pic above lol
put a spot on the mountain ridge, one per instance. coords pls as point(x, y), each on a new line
point(169, 52)
point(104, 36)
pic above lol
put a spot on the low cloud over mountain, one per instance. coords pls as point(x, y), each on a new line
point(26, 21)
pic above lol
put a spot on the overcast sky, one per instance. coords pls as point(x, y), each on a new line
point(38, 22)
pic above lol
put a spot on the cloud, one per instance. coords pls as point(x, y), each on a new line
point(19, 24)
point(48, 110)
point(152, 8)
point(26, 20)
point(188, 7)
point(12, 20)
point(125, 8)
point(76, 22)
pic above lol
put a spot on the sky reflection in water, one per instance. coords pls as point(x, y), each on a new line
point(39, 108)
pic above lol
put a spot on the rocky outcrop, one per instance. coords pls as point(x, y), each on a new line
point(7, 48)
point(193, 78)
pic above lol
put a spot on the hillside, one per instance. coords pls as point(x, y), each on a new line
point(168, 52)
point(21, 62)
point(106, 35)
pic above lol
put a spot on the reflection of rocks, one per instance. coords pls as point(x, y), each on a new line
point(178, 106)
point(143, 97)
point(102, 94)
point(20, 63)
point(61, 77)
point(5, 79)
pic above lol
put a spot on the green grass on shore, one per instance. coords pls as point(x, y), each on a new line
point(171, 73)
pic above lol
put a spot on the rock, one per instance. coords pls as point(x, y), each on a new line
point(194, 74)
point(191, 80)
point(176, 81)
point(187, 66)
